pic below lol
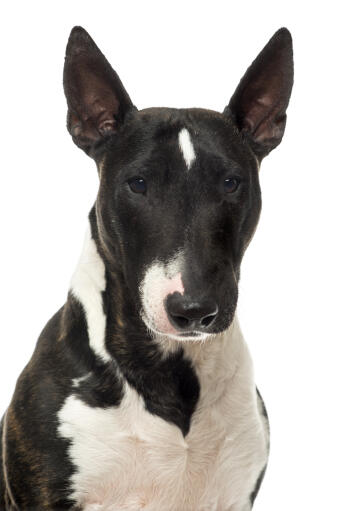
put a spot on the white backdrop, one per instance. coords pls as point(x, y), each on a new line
point(299, 289)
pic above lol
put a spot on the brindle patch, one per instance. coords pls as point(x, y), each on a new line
point(2, 479)
point(38, 469)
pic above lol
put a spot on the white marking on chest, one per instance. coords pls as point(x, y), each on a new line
point(186, 146)
point(87, 284)
point(128, 459)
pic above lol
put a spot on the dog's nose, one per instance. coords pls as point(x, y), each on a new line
point(187, 314)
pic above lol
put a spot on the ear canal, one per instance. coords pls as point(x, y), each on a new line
point(259, 103)
point(97, 101)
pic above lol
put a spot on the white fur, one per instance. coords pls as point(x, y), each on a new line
point(76, 381)
point(186, 146)
point(87, 284)
point(128, 459)
point(158, 282)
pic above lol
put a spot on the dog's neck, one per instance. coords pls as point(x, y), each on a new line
point(170, 375)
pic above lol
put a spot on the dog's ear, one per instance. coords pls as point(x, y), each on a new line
point(259, 103)
point(97, 101)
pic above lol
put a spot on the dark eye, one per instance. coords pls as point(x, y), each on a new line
point(137, 185)
point(231, 184)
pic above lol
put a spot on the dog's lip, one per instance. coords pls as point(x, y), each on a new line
point(189, 334)
point(179, 335)
point(194, 334)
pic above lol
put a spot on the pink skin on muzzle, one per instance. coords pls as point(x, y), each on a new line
point(167, 287)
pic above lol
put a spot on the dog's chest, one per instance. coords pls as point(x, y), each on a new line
point(129, 459)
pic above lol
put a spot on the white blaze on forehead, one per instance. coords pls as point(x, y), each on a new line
point(186, 146)
point(87, 285)
point(160, 280)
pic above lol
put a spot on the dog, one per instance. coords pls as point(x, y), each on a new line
point(140, 392)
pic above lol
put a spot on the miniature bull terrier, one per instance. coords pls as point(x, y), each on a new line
point(140, 393)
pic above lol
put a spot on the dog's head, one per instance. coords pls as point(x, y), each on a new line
point(179, 196)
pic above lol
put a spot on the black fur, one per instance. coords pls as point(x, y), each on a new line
point(257, 486)
point(131, 230)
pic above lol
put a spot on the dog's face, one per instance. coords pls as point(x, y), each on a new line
point(179, 207)
point(179, 197)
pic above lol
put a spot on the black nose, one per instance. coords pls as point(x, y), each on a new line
point(187, 314)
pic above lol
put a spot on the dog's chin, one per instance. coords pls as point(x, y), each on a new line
point(181, 336)
point(185, 336)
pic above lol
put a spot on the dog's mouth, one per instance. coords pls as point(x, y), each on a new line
point(183, 336)
point(173, 334)
point(190, 334)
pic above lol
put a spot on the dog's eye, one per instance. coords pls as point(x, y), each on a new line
point(231, 184)
point(137, 185)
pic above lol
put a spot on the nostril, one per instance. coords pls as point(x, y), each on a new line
point(208, 320)
point(181, 321)
point(187, 314)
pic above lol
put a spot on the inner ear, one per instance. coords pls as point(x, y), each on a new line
point(97, 101)
point(259, 103)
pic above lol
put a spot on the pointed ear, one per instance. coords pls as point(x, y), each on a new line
point(97, 101)
point(259, 103)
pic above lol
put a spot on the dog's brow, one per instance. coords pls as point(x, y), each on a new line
point(186, 146)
